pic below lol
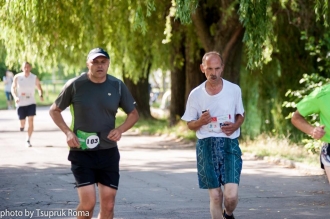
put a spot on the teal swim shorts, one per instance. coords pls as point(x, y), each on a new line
point(218, 162)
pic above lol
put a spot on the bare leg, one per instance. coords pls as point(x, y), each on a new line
point(230, 197)
point(327, 171)
point(87, 200)
point(22, 124)
point(9, 105)
point(30, 126)
point(107, 201)
point(216, 199)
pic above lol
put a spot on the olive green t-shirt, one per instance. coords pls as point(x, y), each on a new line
point(318, 102)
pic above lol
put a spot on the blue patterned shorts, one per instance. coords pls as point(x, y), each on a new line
point(218, 162)
point(325, 155)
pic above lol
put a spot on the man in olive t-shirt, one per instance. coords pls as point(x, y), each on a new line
point(94, 98)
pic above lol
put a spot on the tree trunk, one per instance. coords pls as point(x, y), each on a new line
point(233, 61)
point(178, 78)
point(226, 37)
point(140, 92)
point(194, 76)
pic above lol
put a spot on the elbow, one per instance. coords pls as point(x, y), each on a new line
point(54, 110)
point(191, 126)
point(293, 118)
point(51, 113)
point(135, 115)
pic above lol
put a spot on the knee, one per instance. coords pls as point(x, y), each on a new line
point(231, 198)
point(87, 205)
point(216, 197)
point(107, 210)
point(109, 207)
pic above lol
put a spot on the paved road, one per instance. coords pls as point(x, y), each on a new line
point(158, 180)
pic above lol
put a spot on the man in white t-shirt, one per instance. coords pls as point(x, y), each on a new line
point(23, 89)
point(215, 111)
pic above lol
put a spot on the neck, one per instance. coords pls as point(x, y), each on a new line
point(96, 79)
point(214, 88)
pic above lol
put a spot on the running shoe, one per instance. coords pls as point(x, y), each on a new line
point(225, 216)
point(28, 144)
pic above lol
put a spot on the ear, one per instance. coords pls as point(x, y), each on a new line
point(202, 68)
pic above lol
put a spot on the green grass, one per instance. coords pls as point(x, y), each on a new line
point(279, 147)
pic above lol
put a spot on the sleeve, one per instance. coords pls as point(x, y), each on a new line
point(191, 112)
point(64, 99)
point(309, 104)
point(127, 102)
point(239, 103)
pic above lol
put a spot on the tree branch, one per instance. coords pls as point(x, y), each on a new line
point(231, 42)
point(202, 30)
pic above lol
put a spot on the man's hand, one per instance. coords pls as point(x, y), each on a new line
point(114, 135)
point(72, 140)
point(16, 99)
point(205, 118)
point(318, 132)
point(228, 128)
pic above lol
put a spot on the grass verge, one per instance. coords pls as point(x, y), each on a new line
point(266, 146)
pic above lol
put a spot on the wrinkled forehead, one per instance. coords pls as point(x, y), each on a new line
point(213, 57)
point(212, 60)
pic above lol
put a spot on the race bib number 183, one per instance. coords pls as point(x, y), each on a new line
point(88, 140)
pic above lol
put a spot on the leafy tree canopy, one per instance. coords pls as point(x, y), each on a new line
point(258, 18)
point(62, 32)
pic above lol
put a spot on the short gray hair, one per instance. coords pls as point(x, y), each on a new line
point(212, 53)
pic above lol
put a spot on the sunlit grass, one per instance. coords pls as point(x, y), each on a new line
point(279, 147)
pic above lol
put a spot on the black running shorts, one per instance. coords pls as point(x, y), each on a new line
point(101, 166)
point(25, 111)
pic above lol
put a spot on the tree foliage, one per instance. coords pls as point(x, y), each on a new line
point(62, 32)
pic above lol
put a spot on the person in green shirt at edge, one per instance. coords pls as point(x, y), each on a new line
point(317, 102)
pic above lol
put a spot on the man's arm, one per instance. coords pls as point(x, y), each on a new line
point(14, 89)
point(301, 123)
point(205, 118)
point(71, 138)
point(40, 91)
point(131, 119)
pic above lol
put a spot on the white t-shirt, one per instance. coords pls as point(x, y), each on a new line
point(9, 81)
point(25, 89)
point(222, 107)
